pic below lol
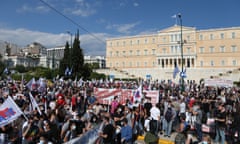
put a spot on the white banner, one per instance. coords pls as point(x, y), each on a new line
point(105, 96)
point(218, 82)
point(9, 111)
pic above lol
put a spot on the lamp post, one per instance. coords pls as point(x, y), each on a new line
point(181, 46)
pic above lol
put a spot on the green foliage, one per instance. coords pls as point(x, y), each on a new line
point(95, 75)
point(94, 65)
point(2, 65)
point(77, 58)
point(66, 61)
point(20, 69)
point(86, 71)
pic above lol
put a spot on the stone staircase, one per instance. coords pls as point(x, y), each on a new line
point(167, 73)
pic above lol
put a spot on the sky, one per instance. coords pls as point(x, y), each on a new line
point(53, 22)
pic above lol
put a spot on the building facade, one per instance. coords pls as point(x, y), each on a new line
point(210, 48)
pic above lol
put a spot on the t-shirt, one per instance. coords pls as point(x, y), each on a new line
point(221, 115)
point(109, 130)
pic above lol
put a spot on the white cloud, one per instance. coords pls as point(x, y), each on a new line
point(123, 28)
point(83, 8)
point(93, 46)
point(135, 4)
point(28, 8)
point(23, 37)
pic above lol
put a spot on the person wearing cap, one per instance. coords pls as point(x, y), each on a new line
point(220, 121)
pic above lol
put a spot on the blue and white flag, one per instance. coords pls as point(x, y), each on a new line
point(6, 71)
point(184, 74)
point(175, 72)
point(34, 103)
point(66, 71)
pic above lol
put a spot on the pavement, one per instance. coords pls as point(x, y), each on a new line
point(162, 139)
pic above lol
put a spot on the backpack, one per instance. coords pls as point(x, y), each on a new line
point(168, 115)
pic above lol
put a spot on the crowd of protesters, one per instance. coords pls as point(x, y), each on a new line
point(68, 110)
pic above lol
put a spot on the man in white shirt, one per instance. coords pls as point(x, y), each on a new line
point(155, 115)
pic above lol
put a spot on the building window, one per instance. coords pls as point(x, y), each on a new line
point(211, 63)
point(164, 50)
point(201, 49)
point(222, 63)
point(131, 42)
point(234, 48)
point(146, 41)
point(201, 63)
point(177, 49)
point(138, 42)
point(172, 37)
point(110, 44)
point(145, 52)
point(110, 53)
point(159, 61)
point(188, 38)
point(153, 40)
point(172, 49)
point(233, 35)
point(123, 64)
point(124, 43)
point(211, 49)
point(138, 64)
point(124, 53)
point(117, 64)
point(153, 63)
point(188, 50)
point(234, 63)
point(138, 52)
point(130, 64)
point(117, 43)
point(153, 51)
point(222, 49)
point(200, 37)
point(117, 53)
point(145, 64)
point(211, 36)
point(130, 52)
point(164, 39)
point(222, 35)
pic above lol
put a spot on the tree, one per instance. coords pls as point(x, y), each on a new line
point(65, 62)
point(77, 58)
point(2, 65)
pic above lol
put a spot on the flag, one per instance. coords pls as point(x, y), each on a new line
point(66, 71)
point(42, 85)
point(5, 71)
point(175, 72)
point(32, 84)
point(137, 96)
point(175, 17)
point(9, 111)
point(70, 71)
point(34, 103)
point(184, 73)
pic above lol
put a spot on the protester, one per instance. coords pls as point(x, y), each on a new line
point(220, 121)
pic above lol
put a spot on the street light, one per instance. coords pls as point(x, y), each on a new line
point(181, 46)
